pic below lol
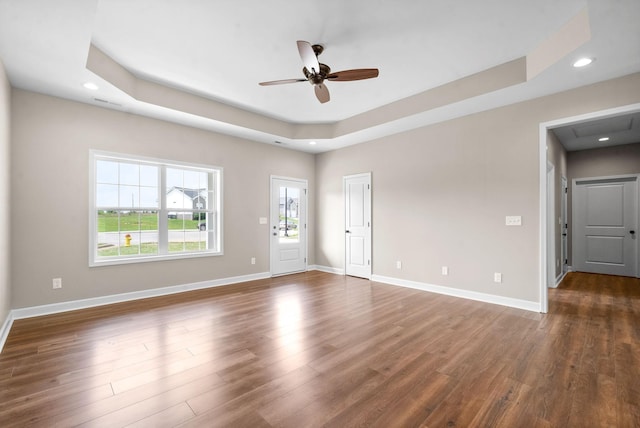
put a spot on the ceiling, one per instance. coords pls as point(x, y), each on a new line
point(199, 62)
point(598, 133)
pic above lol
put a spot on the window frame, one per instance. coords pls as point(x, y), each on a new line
point(216, 225)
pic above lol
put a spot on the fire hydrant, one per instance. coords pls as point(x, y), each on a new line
point(127, 240)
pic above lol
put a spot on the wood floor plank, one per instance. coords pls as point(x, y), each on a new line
point(313, 403)
point(231, 401)
point(504, 405)
point(167, 418)
point(20, 412)
point(466, 399)
point(418, 377)
point(317, 349)
point(124, 407)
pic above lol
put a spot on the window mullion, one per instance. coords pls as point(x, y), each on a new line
point(163, 222)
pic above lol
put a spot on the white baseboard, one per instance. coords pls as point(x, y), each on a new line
point(326, 269)
point(73, 305)
point(465, 294)
point(6, 327)
point(559, 279)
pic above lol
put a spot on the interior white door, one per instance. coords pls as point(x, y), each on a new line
point(605, 214)
point(288, 226)
point(357, 202)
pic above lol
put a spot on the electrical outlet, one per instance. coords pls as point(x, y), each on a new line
point(57, 283)
point(253, 260)
point(398, 264)
point(445, 270)
point(497, 277)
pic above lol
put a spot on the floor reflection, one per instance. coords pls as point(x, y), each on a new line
point(289, 323)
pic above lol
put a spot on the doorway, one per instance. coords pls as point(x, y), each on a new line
point(544, 129)
point(288, 229)
point(357, 225)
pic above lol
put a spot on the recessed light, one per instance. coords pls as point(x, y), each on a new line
point(313, 143)
point(603, 139)
point(582, 62)
point(91, 85)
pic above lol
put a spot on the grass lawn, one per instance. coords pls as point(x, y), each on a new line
point(151, 248)
point(135, 221)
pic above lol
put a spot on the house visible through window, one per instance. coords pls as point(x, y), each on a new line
point(147, 209)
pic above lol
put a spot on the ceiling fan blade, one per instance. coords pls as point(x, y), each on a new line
point(356, 74)
point(322, 92)
point(309, 58)
point(281, 82)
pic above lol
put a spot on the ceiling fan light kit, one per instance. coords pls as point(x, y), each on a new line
point(316, 73)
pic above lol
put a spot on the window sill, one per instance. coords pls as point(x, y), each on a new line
point(156, 258)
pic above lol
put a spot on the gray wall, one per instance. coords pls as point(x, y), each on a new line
point(51, 139)
point(606, 161)
point(441, 194)
point(617, 160)
point(5, 265)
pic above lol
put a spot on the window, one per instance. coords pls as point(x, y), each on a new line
point(146, 209)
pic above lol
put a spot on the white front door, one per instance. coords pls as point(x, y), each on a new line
point(357, 202)
point(288, 226)
point(605, 213)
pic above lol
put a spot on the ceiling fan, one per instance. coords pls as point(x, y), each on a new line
point(316, 73)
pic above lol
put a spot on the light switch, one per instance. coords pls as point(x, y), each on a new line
point(513, 220)
point(263, 220)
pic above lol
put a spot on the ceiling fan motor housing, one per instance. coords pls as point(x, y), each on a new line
point(319, 77)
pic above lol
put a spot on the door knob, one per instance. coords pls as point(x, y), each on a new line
point(633, 232)
point(347, 231)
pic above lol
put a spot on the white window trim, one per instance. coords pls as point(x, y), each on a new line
point(94, 261)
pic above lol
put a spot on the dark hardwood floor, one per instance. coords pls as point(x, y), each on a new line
point(317, 349)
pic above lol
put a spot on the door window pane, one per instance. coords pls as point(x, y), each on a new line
point(289, 214)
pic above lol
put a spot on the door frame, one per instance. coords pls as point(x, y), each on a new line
point(564, 226)
point(543, 130)
point(369, 250)
point(305, 183)
point(551, 223)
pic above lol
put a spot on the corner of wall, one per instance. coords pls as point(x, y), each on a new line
point(5, 136)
